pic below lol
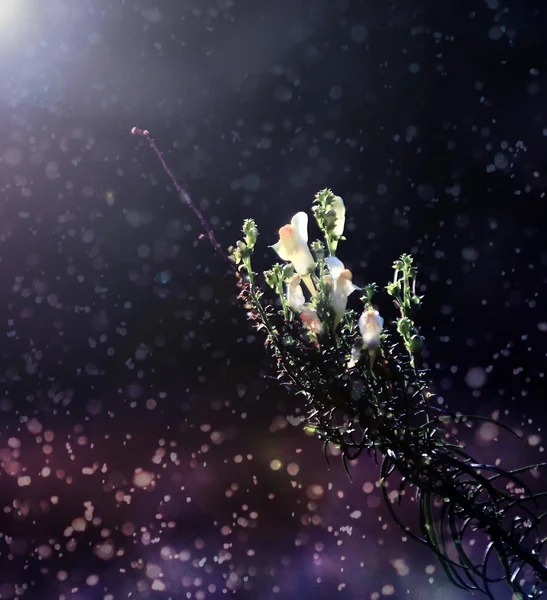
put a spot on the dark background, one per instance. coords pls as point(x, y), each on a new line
point(124, 347)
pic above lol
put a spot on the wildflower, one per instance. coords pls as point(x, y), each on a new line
point(342, 287)
point(293, 247)
point(296, 301)
point(295, 295)
point(370, 326)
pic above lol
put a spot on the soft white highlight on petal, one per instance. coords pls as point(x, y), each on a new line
point(370, 326)
point(339, 297)
point(335, 266)
point(286, 246)
point(300, 224)
point(302, 260)
point(295, 295)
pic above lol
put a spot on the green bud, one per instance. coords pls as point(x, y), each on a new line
point(243, 250)
point(405, 326)
point(234, 254)
point(324, 197)
point(271, 278)
point(318, 248)
point(406, 260)
point(370, 290)
point(393, 289)
point(251, 232)
point(416, 344)
point(287, 272)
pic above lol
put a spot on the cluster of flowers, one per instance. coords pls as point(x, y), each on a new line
point(321, 304)
point(383, 405)
point(385, 401)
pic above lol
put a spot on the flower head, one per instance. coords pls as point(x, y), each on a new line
point(370, 326)
point(293, 244)
point(293, 247)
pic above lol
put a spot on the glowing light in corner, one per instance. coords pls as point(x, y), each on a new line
point(8, 9)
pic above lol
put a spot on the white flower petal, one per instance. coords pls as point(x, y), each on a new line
point(292, 245)
point(302, 260)
point(342, 287)
point(281, 250)
point(346, 286)
point(335, 266)
point(300, 224)
point(339, 303)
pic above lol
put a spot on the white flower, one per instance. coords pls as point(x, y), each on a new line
point(370, 326)
point(293, 244)
point(295, 295)
point(342, 287)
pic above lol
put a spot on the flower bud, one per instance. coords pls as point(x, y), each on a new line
point(416, 344)
point(288, 272)
point(319, 250)
point(251, 232)
point(404, 326)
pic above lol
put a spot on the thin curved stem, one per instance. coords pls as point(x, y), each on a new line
point(210, 234)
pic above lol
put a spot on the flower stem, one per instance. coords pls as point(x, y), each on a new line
point(218, 248)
